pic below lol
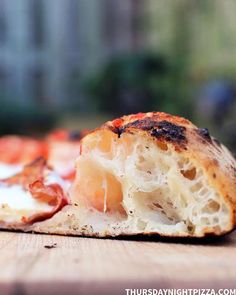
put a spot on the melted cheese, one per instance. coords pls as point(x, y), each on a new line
point(53, 178)
point(8, 170)
point(14, 197)
point(16, 203)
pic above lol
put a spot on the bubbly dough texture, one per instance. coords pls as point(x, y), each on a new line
point(150, 173)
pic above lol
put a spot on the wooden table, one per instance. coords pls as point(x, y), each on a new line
point(104, 266)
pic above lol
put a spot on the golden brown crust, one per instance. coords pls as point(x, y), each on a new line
point(194, 143)
point(218, 163)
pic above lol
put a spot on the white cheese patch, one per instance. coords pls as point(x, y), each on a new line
point(53, 178)
point(17, 203)
point(8, 170)
point(14, 197)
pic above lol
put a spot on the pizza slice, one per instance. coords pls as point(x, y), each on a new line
point(149, 174)
point(34, 194)
point(63, 150)
point(60, 148)
point(17, 151)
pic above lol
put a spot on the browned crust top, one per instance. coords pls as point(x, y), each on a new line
point(161, 126)
point(196, 143)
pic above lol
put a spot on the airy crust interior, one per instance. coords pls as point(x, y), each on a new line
point(136, 184)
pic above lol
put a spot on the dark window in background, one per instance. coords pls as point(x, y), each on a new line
point(37, 22)
point(109, 21)
point(121, 24)
point(37, 76)
point(3, 25)
point(137, 21)
point(3, 82)
point(72, 24)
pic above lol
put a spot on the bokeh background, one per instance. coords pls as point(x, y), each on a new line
point(77, 63)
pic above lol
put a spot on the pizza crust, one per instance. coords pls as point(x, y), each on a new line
point(149, 174)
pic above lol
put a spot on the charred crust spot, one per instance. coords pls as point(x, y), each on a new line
point(169, 131)
point(214, 175)
point(204, 133)
point(160, 130)
point(146, 124)
point(117, 130)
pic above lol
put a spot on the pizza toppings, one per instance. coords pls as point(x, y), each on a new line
point(34, 194)
point(17, 151)
point(7, 170)
point(63, 149)
point(21, 149)
point(147, 173)
point(60, 148)
point(30, 173)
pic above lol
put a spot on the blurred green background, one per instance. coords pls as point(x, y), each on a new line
point(77, 63)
